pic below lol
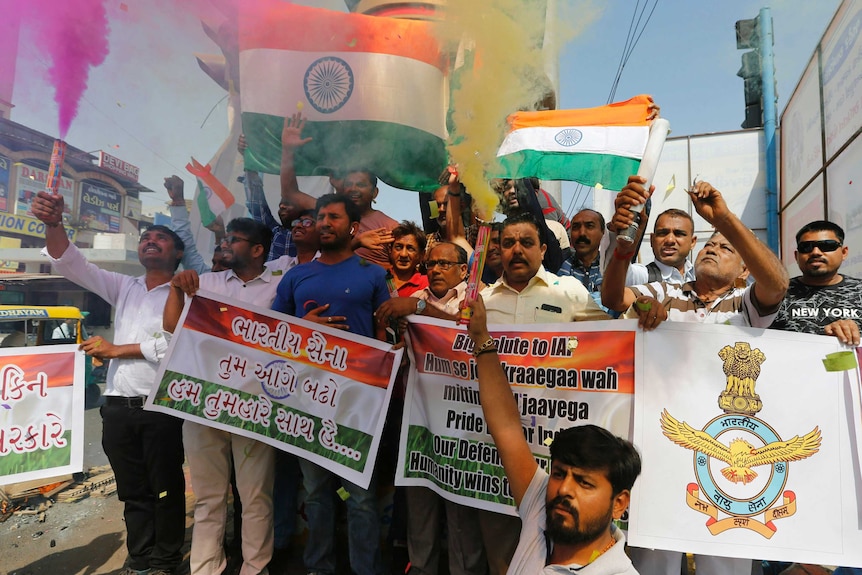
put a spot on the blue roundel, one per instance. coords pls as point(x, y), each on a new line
point(568, 137)
point(328, 84)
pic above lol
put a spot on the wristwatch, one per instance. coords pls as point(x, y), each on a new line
point(420, 306)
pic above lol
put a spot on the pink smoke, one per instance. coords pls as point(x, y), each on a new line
point(73, 35)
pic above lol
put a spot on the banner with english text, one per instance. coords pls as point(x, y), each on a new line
point(305, 388)
point(41, 412)
point(561, 375)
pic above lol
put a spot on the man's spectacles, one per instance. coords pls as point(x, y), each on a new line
point(822, 245)
point(444, 265)
point(234, 239)
point(303, 222)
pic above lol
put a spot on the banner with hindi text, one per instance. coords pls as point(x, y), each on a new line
point(305, 388)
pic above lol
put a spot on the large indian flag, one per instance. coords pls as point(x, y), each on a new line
point(592, 146)
point(372, 90)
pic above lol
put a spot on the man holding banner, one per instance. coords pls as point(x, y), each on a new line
point(209, 450)
point(718, 295)
point(145, 448)
point(349, 290)
point(567, 516)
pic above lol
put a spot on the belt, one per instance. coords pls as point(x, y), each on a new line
point(137, 401)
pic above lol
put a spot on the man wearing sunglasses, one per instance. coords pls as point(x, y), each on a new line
point(821, 300)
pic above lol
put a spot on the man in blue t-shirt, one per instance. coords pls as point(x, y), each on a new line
point(343, 291)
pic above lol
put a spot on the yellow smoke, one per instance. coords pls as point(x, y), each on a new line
point(508, 74)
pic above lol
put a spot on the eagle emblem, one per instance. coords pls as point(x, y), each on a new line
point(739, 454)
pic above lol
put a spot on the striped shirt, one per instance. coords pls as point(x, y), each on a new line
point(736, 306)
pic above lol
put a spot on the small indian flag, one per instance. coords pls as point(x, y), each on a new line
point(372, 89)
point(589, 145)
point(213, 198)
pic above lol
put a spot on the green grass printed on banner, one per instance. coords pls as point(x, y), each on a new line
point(13, 463)
point(352, 438)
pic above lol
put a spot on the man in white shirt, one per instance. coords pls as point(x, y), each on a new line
point(567, 516)
point(145, 448)
point(527, 293)
point(64, 331)
point(244, 248)
point(672, 240)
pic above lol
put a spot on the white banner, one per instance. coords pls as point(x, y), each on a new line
point(302, 387)
point(747, 450)
point(41, 412)
point(561, 375)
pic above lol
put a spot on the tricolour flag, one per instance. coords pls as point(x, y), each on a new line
point(592, 146)
point(213, 198)
point(372, 90)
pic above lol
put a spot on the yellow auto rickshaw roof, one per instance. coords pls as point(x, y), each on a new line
point(21, 312)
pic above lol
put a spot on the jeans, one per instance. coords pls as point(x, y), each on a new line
point(362, 517)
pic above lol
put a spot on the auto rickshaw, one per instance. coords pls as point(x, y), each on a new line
point(27, 326)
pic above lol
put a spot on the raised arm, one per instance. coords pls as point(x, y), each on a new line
point(291, 140)
point(192, 259)
point(771, 279)
point(499, 408)
point(48, 208)
point(615, 294)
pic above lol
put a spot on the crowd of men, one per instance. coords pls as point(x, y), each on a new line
point(338, 261)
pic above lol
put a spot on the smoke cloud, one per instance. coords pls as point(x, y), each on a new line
point(73, 36)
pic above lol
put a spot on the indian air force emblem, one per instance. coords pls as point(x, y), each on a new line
point(741, 464)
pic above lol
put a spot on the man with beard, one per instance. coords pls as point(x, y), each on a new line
point(527, 293)
point(145, 448)
point(343, 291)
point(211, 452)
point(718, 295)
point(567, 516)
point(584, 263)
point(821, 300)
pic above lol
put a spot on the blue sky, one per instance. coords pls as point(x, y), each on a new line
point(147, 103)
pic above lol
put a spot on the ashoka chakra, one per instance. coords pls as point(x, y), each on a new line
point(328, 84)
point(568, 137)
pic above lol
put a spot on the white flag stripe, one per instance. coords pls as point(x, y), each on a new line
point(626, 141)
point(273, 84)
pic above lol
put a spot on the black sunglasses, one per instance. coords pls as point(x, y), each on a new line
point(822, 245)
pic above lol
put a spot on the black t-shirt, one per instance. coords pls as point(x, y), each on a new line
point(808, 309)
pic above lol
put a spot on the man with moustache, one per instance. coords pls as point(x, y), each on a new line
point(584, 263)
point(527, 293)
point(567, 515)
point(212, 453)
point(342, 290)
point(145, 448)
point(718, 295)
point(447, 273)
point(672, 240)
point(408, 251)
point(822, 300)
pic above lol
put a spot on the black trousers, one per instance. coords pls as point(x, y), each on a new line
point(145, 450)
